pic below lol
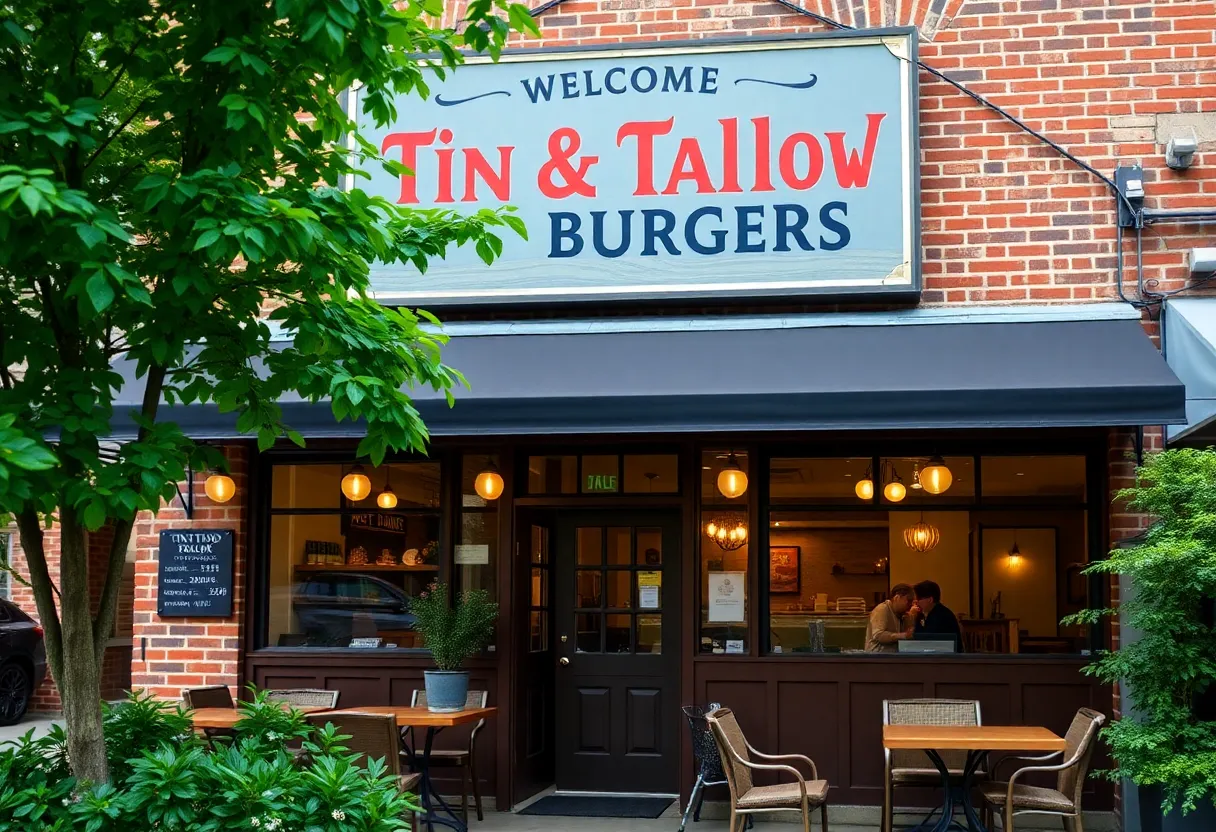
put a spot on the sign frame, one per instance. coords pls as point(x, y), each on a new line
point(901, 41)
point(224, 550)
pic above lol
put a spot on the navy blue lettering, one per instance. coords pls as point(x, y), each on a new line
point(746, 228)
point(654, 78)
point(709, 80)
point(673, 82)
point(653, 231)
point(544, 86)
point(843, 235)
point(785, 228)
point(569, 85)
point(608, 80)
point(597, 233)
point(564, 225)
point(690, 232)
point(591, 90)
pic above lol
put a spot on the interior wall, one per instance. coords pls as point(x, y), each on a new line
point(948, 563)
point(854, 550)
point(1027, 583)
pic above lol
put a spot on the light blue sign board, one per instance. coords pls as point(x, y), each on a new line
point(775, 169)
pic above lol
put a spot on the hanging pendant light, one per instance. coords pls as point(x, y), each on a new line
point(1015, 555)
point(916, 486)
point(489, 483)
point(732, 481)
point(727, 531)
point(895, 490)
point(865, 486)
point(355, 485)
point(936, 477)
point(387, 498)
point(922, 536)
point(219, 487)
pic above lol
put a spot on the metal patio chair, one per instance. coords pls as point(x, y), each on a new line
point(907, 769)
point(709, 762)
point(212, 696)
point(464, 759)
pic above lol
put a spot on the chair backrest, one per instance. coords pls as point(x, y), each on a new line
point(929, 712)
point(374, 736)
point(732, 747)
point(476, 699)
point(704, 747)
point(213, 696)
point(1079, 747)
point(305, 697)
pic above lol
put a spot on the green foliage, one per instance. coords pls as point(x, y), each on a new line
point(1173, 572)
point(454, 632)
point(176, 783)
point(140, 723)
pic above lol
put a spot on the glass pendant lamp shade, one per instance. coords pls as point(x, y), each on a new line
point(922, 536)
point(727, 532)
point(864, 489)
point(219, 487)
point(935, 476)
point(387, 498)
point(895, 491)
point(489, 484)
point(355, 485)
point(732, 481)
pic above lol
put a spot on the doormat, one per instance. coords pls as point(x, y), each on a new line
point(593, 806)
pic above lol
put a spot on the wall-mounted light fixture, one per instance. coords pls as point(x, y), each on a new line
point(219, 487)
point(1180, 151)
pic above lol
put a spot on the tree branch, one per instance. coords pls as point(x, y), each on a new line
point(114, 135)
point(35, 556)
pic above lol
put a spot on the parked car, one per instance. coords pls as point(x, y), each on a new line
point(335, 607)
point(22, 661)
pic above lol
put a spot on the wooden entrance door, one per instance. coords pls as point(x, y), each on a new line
point(533, 704)
point(617, 621)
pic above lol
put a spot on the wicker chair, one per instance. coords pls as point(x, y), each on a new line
point(373, 737)
point(1013, 798)
point(305, 698)
point(905, 769)
point(463, 759)
point(214, 696)
point(746, 798)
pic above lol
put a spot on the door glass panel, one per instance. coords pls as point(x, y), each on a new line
point(587, 640)
point(589, 591)
point(540, 588)
point(552, 475)
point(539, 641)
point(619, 596)
point(650, 547)
point(619, 638)
point(590, 546)
point(540, 544)
point(619, 542)
point(650, 634)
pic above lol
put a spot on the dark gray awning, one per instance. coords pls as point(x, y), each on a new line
point(538, 380)
point(1188, 337)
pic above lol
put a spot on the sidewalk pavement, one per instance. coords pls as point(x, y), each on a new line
point(40, 723)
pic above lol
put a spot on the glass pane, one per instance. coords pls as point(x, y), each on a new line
point(601, 474)
point(1026, 479)
point(540, 544)
point(913, 480)
point(539, 639)
point(619, 585)
point(416, 485)
point(650, 547)
point(650, 634)
point(587, 640)
point(552, 475)
point(619, 542)
point(477, 550)
point(590, 546)
point(618, 637)
point(713, 463)
point(590, 589)
point(540, 587)
point(652, 473)
point(828, 480)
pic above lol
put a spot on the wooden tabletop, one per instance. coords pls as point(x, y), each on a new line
point(225, 718)
point(971, 738)
point(421, 717)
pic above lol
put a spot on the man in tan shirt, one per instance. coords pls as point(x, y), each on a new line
point(886, 626)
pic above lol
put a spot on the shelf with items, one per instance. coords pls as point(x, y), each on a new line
point(364, 567)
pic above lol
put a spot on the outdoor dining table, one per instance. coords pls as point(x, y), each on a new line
point(435, 809)
point(977, 741)
point(224, 719)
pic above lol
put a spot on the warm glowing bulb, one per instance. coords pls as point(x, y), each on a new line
point(489, 484)
point(386, 498)
point(220, 488)
point(865, 489)
point(732, 482)
point(935, 476)
point(742, 533)
point(895, 491)
point(355, 485)
point(711, 529)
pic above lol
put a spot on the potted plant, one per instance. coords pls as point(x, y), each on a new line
point(1166, 741)
point(453, 633)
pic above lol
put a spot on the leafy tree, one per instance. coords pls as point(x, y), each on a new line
point(1173, 663)
point(170, 170)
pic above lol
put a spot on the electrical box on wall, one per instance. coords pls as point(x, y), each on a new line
point(1130, 181)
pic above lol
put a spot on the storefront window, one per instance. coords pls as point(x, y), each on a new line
point(922, 480)
point(475, 557)
point(725, 526)
point(1033, 479)
point(604, 474)
point(342, 573)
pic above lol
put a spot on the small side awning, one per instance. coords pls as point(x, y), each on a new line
point(927, 369)
point(1188, 339)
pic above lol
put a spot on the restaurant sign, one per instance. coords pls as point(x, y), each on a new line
point(701, 171)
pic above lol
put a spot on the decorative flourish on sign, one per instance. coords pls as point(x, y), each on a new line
point(793, 85)
point(453, 102)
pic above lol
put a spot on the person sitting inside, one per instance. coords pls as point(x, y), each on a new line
point(887, 621)
point(932, 616)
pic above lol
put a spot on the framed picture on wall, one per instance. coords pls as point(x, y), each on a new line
point(785, 570)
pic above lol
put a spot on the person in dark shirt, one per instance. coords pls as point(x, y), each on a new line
point(935, 617)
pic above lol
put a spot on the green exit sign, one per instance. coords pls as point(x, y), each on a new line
point(600, 483)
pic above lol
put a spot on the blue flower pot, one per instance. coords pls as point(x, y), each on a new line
point(446, 690)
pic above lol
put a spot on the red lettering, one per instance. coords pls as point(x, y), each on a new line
point(689, 156)
point(475, 165)
point(409, 144)
point(852, 172)
point(764, 181)
point(443, 191)
point(730, 156)
point(786, 161)
point(644, 132)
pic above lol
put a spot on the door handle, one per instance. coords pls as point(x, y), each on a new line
point(563, 661)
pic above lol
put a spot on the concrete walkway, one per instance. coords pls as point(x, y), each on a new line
point(40, 723)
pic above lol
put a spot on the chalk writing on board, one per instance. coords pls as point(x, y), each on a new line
point(195, 576)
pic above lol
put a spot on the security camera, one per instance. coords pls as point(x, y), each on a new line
point(1202, 261)
point(1180, 151)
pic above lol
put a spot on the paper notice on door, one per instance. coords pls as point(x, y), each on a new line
point(472, 555)
point(727, 594)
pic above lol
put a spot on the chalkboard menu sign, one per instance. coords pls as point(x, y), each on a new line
point(195, 573)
